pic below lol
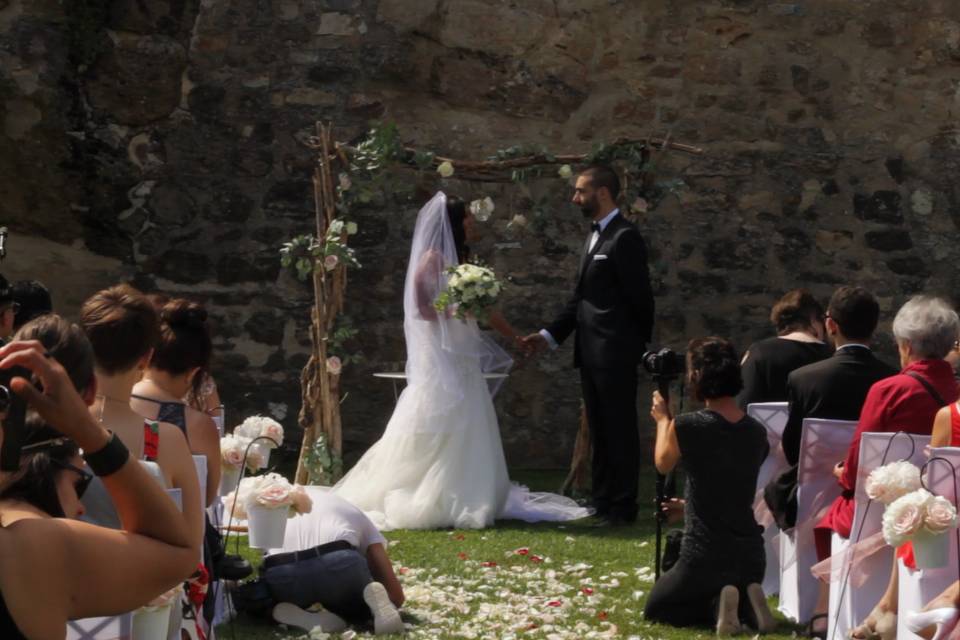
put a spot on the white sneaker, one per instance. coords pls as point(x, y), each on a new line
point(386, 618)
point(290, 614)
point(728, 623)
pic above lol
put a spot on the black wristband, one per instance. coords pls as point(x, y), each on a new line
point(109, 458)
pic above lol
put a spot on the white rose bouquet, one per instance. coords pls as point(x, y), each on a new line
point(917, 512)
point(471, 289)
point(257, 426)
point(891, 481)
point(232, 448)
point(270, 491)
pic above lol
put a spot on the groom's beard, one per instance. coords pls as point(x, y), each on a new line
point(589, 208)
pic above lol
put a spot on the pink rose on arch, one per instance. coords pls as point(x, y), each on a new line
point(330, 262)
point(274, 496)
point(941, 515)
point(334, 365)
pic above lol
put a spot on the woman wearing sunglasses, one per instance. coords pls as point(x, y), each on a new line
point(50, 481)
point(56, 569)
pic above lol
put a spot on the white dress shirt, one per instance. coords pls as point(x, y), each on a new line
point(594, 237)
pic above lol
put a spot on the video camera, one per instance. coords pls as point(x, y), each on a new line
point(665, 364)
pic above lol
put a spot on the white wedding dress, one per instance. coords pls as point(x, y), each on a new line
point(440, 461)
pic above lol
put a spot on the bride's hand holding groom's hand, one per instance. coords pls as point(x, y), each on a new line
point(532, 345)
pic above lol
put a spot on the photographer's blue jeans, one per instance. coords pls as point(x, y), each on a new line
point(336, 580)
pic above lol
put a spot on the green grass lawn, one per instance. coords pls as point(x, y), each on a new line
point(520, 580)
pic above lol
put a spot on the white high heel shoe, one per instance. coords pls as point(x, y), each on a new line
point(945, 618)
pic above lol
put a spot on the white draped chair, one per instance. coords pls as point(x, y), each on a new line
point(111, 627)
point(920, 586)
point(773, 416)
point(823, 444)
point(851, 600)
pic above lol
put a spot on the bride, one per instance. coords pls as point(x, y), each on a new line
point(440, 462)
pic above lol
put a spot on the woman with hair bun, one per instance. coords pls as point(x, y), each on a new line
point(182, 351)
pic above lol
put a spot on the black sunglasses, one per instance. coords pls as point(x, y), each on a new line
point(81, 484)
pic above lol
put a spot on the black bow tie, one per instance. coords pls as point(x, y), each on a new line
point(595, 226)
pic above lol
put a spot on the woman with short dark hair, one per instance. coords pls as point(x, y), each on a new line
point(716, 580)
point(799, 321)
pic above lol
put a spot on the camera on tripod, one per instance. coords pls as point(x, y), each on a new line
point(665, 364)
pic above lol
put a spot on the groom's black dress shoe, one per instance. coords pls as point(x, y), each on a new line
point(612, 520)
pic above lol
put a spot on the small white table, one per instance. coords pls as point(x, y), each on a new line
point(400, 375)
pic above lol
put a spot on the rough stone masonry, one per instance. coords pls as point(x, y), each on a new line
point(161, 142)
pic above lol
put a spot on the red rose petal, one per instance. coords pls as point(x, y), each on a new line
point(462, 555)
point(522, 552)
point(488, 564)
point(536, 559)
point(602, 615)
point(587, 591)
point(554, 603)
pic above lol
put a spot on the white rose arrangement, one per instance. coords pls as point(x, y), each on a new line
point(471, 289)
point(891, 481)
point(270, 491)
point(916, 512)
point(261, 426)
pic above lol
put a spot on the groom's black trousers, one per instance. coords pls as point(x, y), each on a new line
point(610, 398)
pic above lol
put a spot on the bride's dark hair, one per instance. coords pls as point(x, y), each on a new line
point(456, 212)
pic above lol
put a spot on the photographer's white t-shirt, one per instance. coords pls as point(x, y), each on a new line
point(332, 518)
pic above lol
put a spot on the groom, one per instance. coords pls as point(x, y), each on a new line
point(611, 311)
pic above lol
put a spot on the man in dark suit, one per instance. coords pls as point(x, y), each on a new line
point(611, 312)
point(835, 388)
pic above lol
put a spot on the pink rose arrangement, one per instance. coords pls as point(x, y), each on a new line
point(233, 448)
point(891, 481)
point(916, 512)
point(270, 491)
point(261, 426)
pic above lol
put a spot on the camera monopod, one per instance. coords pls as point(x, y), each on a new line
point(665, 484)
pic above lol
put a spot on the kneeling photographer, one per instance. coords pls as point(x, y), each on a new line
point(716, 579)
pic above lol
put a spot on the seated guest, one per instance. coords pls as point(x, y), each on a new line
point(8, 310)
point(334, 556)
point(716, 580)
point(50, 466)
point(34, 300)
point(182, 351)
point(834, 388)
point(798, 318)
point(925, 329)
point(122, 327)
point(54, 569)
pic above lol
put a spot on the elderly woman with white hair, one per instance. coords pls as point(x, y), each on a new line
point(926, 329)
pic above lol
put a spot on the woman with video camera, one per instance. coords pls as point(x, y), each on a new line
point(716, 579)
point(56, 569)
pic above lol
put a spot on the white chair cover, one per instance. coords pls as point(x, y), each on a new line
point(920, 586)
point(116, 627)
point(850, 604)
point(107, 628)
point(773, 416)
point(823, 444)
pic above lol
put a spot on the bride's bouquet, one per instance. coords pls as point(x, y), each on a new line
point(472, 289)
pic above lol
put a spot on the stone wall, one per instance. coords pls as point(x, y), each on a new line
point(161, 142)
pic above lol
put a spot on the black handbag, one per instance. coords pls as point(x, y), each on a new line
point(780, 494)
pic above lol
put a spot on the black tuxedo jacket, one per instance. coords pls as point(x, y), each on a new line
point(612, 305)
point(833, 389)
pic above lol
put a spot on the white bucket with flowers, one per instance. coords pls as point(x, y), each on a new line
point(261, 427)
point(923, 519)
point(267, 502)
point(152, 621)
